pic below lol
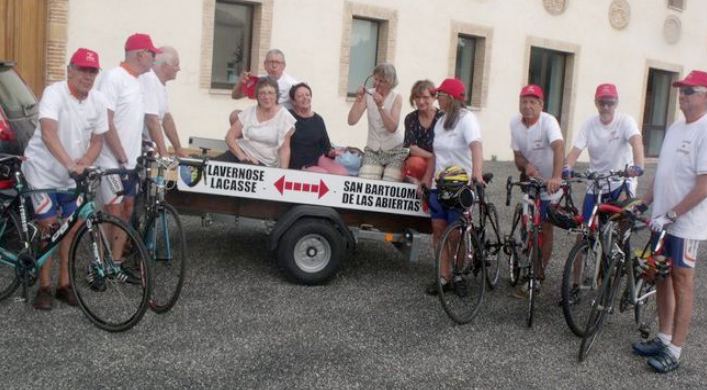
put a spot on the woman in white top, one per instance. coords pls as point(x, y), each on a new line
point(262, 133)
point(384, 152)
point(457, 142)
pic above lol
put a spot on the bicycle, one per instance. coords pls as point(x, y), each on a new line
point(112, 305)
point(639, 294)
point(582, 271)
point(467, 251)
point(161, 229)
point(522, 245)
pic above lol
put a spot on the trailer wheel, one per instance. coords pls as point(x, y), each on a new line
point(310, 251)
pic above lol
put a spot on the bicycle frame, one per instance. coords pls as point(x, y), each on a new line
point(82, 213)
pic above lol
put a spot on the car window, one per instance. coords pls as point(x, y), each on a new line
point(16, 98)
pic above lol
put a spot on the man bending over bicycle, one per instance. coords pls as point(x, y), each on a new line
point(72, 121)
point(678, 196)
point(538, 148)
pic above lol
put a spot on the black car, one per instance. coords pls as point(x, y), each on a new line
point(18, 110)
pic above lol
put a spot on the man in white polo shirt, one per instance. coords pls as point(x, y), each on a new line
point(678, 196)
point(538, 149)
point(72, 121)
point(126, 121)
point(614, 143)
point(154, 89)
point(275, 67)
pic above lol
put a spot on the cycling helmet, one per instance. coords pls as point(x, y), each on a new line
point(563, 214)
point(453, 189)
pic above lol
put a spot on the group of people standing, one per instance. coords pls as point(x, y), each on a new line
point(80, 126)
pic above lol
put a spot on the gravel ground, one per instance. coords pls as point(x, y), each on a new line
point(238, 324)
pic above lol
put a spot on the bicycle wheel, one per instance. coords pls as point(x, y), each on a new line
point(459, 261)
point(514, 243)
point(112, 304)
point(601, 306)
point(580, 282)
point(166, 246)
point(535, 263)
point(11, 245)
point(492, 243)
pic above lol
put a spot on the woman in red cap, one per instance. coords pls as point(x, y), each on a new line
point(457, 142)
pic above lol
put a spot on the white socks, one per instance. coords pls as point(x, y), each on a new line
point(672, 348)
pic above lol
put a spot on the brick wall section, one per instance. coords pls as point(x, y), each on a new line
point(262, 37)
point(387, 38)
point(57, 35)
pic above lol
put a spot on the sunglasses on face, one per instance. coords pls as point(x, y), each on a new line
point(687, 91)
point(606, 103)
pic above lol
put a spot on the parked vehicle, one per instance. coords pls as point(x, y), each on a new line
point(18, 110)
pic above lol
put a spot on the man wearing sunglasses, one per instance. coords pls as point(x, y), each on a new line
point(678, 196)
point(72, 121)
point(614, 143)
point(123, 141)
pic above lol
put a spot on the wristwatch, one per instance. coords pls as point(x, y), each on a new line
point(672, 215)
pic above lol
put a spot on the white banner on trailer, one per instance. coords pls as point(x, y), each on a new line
point(293, 186)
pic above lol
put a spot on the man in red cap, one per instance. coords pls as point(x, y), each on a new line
point(72, 121)
point(614, 143)
point(126, 121)
point(538, 149)
point(157, 114)
point(678, 197)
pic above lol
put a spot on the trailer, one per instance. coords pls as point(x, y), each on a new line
point(313, 220)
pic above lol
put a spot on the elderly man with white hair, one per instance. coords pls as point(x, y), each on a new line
point(157, 114)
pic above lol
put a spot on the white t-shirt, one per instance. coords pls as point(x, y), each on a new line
point(262, 140)
point(77, 121)
point(683, 157)
point(155, 98)
point(608, 145)
point(284, 84)
point(534, 143)
point(124, 97)
point(451, 147)
point(379, 138)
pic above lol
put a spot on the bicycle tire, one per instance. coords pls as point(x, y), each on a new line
point(12, 243)
point(513, 245)
point(580, 274)
point(463, 301)
point(535, 258)
point(492, 238)
point(167, 249)
point(119, 306)
point(600, 308)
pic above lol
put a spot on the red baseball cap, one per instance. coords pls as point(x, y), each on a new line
point(85, 58)
point(532, 90)
point(606, 91)
point(452, 87)
point(696, 78)
point(139, 41)
point(249, 86)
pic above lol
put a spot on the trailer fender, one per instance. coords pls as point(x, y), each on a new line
point(305, 211)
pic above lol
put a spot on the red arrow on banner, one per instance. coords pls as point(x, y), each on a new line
point(282, 185)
